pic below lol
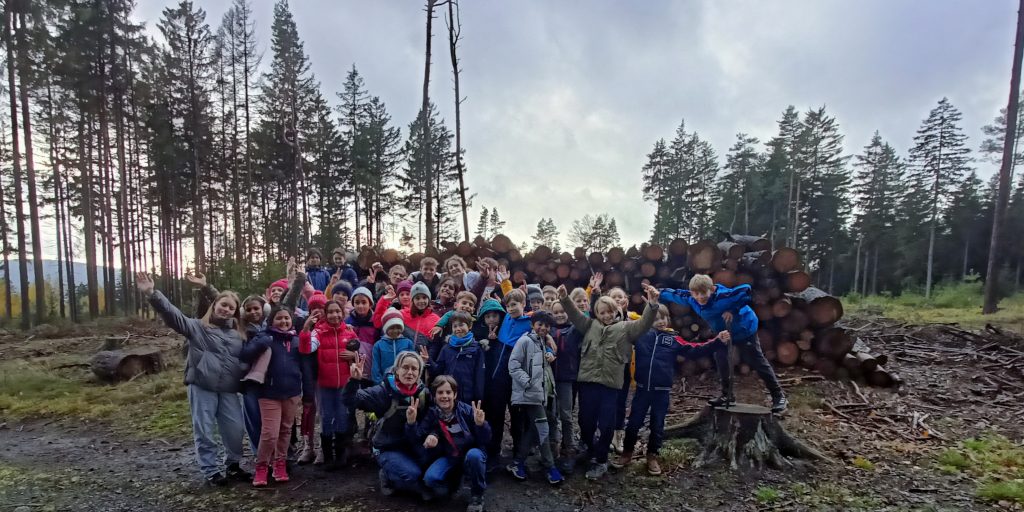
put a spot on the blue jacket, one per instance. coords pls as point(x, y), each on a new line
point(512, 329)
point(569, 342)
point(466, 365)
point(384, 353)
point(733, 300)
point(319, 278)
point(390, 432)
point(656, 353)
point(284, 375)
point(471, 435)
point(347, 274)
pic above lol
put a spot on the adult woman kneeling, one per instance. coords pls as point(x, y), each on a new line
point(399, 458)
point(458, 429)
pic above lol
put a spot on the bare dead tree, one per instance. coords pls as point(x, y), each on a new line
point(454, 35)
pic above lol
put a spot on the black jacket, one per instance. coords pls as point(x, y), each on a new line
point(284, 375)
point(389, 405)
point(472, 435)
point(656, 353)
point(569, 342)
point(466, 365)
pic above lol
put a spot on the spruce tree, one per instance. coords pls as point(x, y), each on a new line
point(497, 225)
point(737, 187)
point(876, 197)
point(656, 175)
point(483, 225)
point(375, 156)
point(547, 235)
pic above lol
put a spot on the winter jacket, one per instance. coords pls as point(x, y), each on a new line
point(513, 328)
point(207, 295)
point(385, 352)
point(607, 348)
point(733, 300)
point(368, 335)
point(466, 364)
point(389, 404)
point(212, 361)
point(328, 343)
point(417, 328)
point(442, 308)
point(532, 381)
point(568, 341)
point(319, 278)
point(462, 431)
point(348, 274)
point(284, 375)
point(656, 352)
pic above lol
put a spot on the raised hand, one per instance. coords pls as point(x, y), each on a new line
point(435, 331)
point(494, 333)
point(198, 280)
point(652, 294)
point(430, 442)
point(144, 283)
point(356, 369)
point(424, 354)
point(390, 292)
point(290, 268)
point(502, 273)
point(478, 413)
point(410, 413)
point(311, 321)
point(596, 280)
point(562, 292)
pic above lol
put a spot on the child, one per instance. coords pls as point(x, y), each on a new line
point(466, 303)
point(361, 320)
point(461, 357)
point(607, 345)
point(532, 388)
point(581, 299)
point(656, 353)
point(279, 395)
point(395, 276)
point(315, 274)
point(455, 268)
point(342, 269)
point(719, 306)
point(317, 303)
point(459, 429)
point(535, 297)
point(566, 368)
point(498, 386)
point(341, 292)
point(550, 294)
point(427, 274)
point(418, 317)
point(618, 295)
point(446, 297)
point(488, 321)
point(390, 345)
point(335, 345)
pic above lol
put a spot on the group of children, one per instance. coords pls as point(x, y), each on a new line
point(325, 343)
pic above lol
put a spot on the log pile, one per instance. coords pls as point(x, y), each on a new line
point(797, 322)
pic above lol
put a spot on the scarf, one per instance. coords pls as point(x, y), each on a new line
point(446, 417)
point(278, 331)
point(457, 342)
point(401, 388)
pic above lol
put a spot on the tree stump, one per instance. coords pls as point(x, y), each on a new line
point(744, 436)
point(116, 366)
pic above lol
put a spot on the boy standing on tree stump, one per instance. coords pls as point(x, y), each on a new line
point(728, 312)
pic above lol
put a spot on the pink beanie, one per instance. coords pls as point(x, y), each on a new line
point(404, 286)
point(318, 300)
point(281, 283)
point(393, 317)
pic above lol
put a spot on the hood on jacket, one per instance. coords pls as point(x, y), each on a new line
point(490, 305)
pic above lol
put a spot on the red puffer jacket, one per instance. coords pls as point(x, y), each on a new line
point(328, 343)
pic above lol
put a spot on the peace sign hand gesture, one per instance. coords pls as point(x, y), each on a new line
point(410, 413)
point(478, 413)
point(494, 333)
point(356, 368)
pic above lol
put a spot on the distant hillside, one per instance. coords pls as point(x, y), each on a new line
point(49, 273)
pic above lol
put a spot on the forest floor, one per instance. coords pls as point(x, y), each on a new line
point(949, 439)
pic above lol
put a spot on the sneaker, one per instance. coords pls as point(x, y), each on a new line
point(622, 461)
point(779, 404)
point(617, 441)
point(597, 471)
point(518, 470)
point(653, 468)
point(217, 479)
point(307, 455)
point(260, 479)
point(723, 401)
point(235, 472)
point(476, 504)
point(386, 487)
point(554, 477)
point(281, 471)
point(319, 460)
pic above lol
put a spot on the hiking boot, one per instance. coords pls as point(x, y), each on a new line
point(624, 460)
point(217, 479)
point(779, 403)
point(341, 447)
point(386, 487)
point(518, 470)
point(308, 453)
point(554, 477)
point(476, 504)
point(281, 471)
point(597, 471)
point(653, 468)
point(260, 479)
point(327, 449)
point(235, 472)
point(617, 440)
point(725, 400)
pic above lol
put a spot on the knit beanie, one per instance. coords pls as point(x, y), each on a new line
point(533, 293)
point(393, 317)
point(318, 300)
point(364, 292)
point(404, 286)
point(342, 287)
point(281, 283)
point(419, 289)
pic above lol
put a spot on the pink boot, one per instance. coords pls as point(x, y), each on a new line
point(260, 479)
point(281, 471)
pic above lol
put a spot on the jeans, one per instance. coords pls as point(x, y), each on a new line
point(620, 400)
point(333, 412)
point(658, 403)
point(474, 465)
point(498, 398)
point(535, 433)
point(223, 411)
point(563, 426)
point(278, 418)
point(251, 417)
point(749, 349)
point(400, 469)
point(597, 411)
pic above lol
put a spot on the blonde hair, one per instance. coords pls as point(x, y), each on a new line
point(549, 289)
point(447, 263)
point(619, 289)
point(407, 354)
point(428, 261)
point(664, 312)
point(604, 299)
point(578, 293)
point(397, 267)
point(237, 317)
point(515, 296)
point(702, 283)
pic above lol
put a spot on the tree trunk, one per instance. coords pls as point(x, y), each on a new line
point(856, 272)
point(16, 156)
point(999, 219)
point(426, 146)
point(89, 222)
point(30, 170)
point(454, 30)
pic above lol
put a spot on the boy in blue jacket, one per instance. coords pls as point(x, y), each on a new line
point(315, 274)
point(498, 383)
point(656, 353)
point(728, 312)
point(461, 357)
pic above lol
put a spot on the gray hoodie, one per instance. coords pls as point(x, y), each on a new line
point(530, 372)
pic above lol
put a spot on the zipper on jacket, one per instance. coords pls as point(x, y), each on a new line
point(650, 370)
point(500, 356)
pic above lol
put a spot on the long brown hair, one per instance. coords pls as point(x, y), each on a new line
point(239, 326)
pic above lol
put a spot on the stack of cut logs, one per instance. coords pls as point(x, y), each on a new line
point(797, 321)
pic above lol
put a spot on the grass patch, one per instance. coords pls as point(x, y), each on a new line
point(1003, 491)
point(767, 495)
point(950, 302)
point(863, 463)
point(996, 462)
point(154, 404)
point(804, 397)
point(674, 454)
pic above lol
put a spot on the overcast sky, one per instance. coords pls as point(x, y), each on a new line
point(565, 99)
